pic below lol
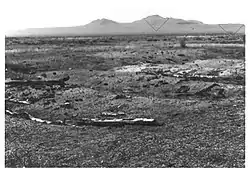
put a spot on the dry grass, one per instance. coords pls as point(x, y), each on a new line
point(206, 133)
point(203, 139)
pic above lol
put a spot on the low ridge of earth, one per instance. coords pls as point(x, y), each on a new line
point(196, 92)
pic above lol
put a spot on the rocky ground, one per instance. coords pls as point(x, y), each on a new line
point(196, 94)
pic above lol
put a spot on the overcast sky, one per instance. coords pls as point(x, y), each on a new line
point(20, 14)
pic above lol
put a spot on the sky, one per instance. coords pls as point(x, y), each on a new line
point(21, 14)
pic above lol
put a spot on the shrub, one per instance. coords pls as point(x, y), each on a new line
point(183, 43)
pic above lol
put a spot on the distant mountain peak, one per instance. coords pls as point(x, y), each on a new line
point(154, 17)
point(104, 21)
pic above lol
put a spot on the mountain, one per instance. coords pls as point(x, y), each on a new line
point(153, 24)
point(103, 22)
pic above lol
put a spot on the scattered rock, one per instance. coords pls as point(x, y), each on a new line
point(181, 55)
point(67, 105)
point(44, 75)
point(213, 90)
point(79, 99)
point(108, 114)
point(183, 89)
point(121, 96)
point(120, 113)
point(58, 122)
point(39, 77)
point(113, 114)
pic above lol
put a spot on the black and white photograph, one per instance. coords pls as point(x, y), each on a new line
point(124, 84)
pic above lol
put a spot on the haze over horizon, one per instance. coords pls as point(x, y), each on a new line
point(43, 14)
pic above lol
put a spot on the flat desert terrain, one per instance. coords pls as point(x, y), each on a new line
point(182, 100)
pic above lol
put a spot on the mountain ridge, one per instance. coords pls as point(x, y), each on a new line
point(153, 24)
